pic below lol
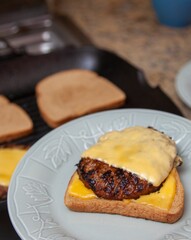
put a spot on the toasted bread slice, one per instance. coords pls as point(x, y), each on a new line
point(3, 100)
point(132, 208)
point(14, 121)
point(73, 93)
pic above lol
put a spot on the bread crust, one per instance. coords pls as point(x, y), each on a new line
point(14, 122)
point(131, 209)
point(66, 95)
point(3, 100)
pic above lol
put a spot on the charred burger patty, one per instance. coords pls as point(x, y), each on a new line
point(112, 183)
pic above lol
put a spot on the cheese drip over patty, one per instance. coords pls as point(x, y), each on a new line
point(144, 151)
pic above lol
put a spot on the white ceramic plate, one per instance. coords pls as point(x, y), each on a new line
point(183, 84)
point(35, 197)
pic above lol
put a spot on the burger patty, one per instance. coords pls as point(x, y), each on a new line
point(112, 183)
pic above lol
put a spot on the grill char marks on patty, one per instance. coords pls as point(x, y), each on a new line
point(110, 182)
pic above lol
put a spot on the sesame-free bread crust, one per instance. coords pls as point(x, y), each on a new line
point(14, 121)
point(3, 100)
point(70, 94)
point(132, 209)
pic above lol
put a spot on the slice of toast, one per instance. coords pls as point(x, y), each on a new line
point(14, 121)
point(3, 100)
point(69, 94)
point(132, 208)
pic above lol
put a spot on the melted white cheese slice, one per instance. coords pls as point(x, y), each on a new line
point(143, 151)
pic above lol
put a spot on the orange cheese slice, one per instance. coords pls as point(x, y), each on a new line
point(9, 158)
point(161, 199)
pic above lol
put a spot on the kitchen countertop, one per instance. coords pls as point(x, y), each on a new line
point(130, 29)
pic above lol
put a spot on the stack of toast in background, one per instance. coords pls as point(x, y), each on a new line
point(14, 123)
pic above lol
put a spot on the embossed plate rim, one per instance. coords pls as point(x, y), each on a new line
point(183, 84)
point(32, 202)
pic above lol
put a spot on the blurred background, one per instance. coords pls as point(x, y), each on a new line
point(130, 28)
